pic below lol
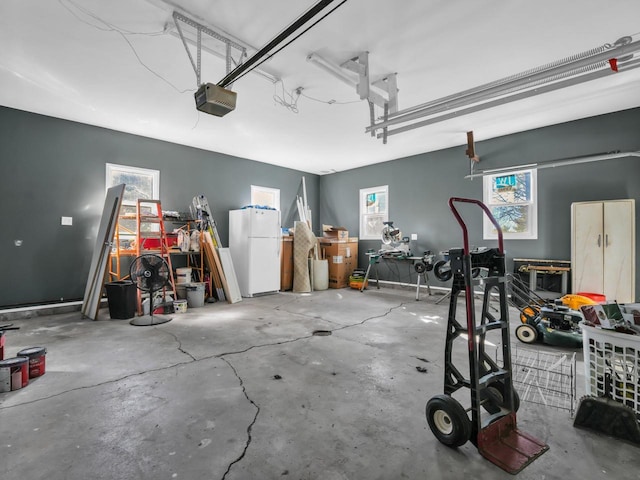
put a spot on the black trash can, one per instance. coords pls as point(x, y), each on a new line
point(121, 296)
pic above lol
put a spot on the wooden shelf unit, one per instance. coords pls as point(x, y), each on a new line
point(124, 246)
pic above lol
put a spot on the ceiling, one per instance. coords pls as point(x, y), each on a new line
point(121, 65)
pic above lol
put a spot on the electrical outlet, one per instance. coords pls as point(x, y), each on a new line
point(66, 221)
point(414, 236)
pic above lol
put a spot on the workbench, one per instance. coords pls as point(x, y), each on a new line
point(536, 267)
point(420, 265)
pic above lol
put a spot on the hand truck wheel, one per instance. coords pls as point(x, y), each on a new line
point(448, 421)
point(493, 398)
point(442, 270)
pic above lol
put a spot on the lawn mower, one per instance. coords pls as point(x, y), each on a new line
point(553, 322)
point(555, 325)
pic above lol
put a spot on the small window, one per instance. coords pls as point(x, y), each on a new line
point(265, 197)
point(511, 197)
point(374, 211)
point(140, 182)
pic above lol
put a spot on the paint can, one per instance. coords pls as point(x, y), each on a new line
point(37, 360)
point(180, 306)
point(183, 275)
point(14, 374)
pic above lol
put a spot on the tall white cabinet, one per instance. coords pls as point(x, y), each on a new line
point(603, 249)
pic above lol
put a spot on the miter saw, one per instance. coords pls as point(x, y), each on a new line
point(393, 243)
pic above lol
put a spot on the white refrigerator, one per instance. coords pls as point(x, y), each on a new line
point(254, 242)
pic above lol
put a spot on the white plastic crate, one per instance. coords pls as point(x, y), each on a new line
point(618, 354)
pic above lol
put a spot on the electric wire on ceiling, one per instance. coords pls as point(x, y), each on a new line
point(329, 102)
point(123, 33)
point(111, 26)
point(288, 100)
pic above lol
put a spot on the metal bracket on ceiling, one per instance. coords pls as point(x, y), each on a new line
point(470, 152)
point(360, 66)
point(382, 93)
point(387, 84)
point(200, 29)
point(231, 46)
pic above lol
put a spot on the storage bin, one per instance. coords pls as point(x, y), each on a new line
point(121, 296)
point(618, 354)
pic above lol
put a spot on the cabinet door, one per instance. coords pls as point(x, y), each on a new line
point(587, 247)
point(619, 251)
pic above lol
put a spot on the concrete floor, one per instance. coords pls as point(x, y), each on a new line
point(246, 391)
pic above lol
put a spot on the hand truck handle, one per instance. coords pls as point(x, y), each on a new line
point(465, 233)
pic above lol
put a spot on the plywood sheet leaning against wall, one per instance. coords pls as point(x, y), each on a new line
point(98, 268)
point(234, 295)
point(212, 260)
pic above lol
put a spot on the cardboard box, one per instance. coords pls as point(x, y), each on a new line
point(342, 258)
point(337, 233)
point(286, 264)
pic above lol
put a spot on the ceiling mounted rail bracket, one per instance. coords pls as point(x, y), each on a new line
point(471, 153)
point(382, 93)
point(226, 46)
point(230, 46)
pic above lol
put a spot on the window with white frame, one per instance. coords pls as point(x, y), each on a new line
point(265, 196)
point(139, 183)
point(512, 199)
point(374, 211)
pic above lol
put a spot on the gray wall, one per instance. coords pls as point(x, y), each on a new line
point(51, 168)
point(420, 186)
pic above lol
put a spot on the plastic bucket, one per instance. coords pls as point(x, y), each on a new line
point(320, 274)
point(37, 360)
point(195, 295)
point(183, 275)
point(14, 373)
point(180, 306)
point(181, 291)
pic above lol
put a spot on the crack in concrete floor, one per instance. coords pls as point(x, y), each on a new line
point(255, 418)
point(222, 356)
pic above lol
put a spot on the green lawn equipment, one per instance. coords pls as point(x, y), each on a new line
point(549, 321)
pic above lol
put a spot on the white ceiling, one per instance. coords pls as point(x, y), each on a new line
point(120, 65)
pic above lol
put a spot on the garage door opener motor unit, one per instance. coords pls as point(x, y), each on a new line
point(215, 100)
